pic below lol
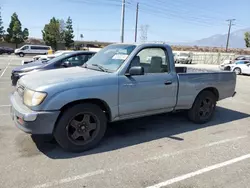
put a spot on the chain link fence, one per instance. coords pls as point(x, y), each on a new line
point(212, 58)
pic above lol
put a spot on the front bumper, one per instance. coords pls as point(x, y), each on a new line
point(33, 122)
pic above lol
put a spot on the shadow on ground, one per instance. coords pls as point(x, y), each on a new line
point(133, 132)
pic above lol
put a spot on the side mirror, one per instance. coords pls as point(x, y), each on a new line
point(137, 70)
point(66, 64)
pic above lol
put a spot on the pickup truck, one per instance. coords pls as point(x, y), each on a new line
point(183, 57)
point(76, 104)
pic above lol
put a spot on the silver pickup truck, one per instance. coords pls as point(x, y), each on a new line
point(76, 104)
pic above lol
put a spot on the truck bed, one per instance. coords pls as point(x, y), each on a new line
point(193, 81)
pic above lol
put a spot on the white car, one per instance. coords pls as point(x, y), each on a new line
point(228, 66)
point(50, 56)
point(241, 68)
point(47, 57)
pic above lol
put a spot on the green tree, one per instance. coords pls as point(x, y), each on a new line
point(52, 33)
point(69, 33)
point(15, 34)
point(1, 27)
point(247, 39)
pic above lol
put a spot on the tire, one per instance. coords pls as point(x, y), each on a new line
point(196, 113)
point(65, 131)
point(237, 71)
point(21, 54)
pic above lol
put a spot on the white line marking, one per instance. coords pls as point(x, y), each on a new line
point(74, 178)
point(193, 149)
point(70, 179)
point(7, 105)
point(5, 69)
point(201, 171)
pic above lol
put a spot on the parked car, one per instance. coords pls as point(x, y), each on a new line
point(63, 61)
point(75, 104)
point(241, 68)
point(6, 50)
point(47, 57)
point(229, 66)
point(238, 58)
point(184, 58)
point(32, 49)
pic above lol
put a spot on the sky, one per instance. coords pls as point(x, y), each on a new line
point(100, 20)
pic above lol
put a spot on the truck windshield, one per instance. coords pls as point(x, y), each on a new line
point(111, 57)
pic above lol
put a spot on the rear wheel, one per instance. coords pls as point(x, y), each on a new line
point(203, 108)
point(80, 127)
point(237, 71)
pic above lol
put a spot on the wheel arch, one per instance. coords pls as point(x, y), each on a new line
point(212, 90)
point(102, 104)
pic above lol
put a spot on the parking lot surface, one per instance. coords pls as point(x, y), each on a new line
point(158, 151)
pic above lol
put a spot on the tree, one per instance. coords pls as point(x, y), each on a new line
point(1, 27)
point(52, 33)
point(15, 34)
point(69, 33)
point(247, 39)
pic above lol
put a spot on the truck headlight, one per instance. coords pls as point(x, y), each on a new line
point(33, 98)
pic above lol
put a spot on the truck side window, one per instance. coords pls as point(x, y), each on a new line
point(78, 60)
point(153, 60)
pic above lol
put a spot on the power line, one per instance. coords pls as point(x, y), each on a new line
point(229, 31)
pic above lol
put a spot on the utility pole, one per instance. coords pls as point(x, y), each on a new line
point(136, 21)
point(229, 31)
point(122, 21)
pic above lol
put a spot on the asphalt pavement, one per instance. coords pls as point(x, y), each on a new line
point(158, 151)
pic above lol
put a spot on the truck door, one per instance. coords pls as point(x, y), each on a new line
point(155, 91)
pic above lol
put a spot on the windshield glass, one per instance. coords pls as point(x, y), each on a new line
point(58, 58)
point(111, 57)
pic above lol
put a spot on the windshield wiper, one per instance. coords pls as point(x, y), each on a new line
point(100, 67)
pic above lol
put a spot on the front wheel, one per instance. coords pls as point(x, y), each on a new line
point(203, 108)
point(80, 127)
point(21, 54)
point(237, 71)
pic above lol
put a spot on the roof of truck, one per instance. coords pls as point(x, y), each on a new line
point(138, 44)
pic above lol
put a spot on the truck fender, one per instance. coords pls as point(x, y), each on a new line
point(59, 100)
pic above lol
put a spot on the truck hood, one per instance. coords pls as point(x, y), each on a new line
point(68, 77)
point(29, 66)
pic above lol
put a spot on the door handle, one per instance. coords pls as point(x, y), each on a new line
point(168, 82)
